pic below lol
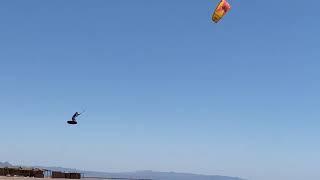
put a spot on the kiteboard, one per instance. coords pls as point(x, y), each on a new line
point(72, 122)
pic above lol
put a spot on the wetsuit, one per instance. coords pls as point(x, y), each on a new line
point(74, 116)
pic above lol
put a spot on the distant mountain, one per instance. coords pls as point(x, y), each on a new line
point(138, 174)
point(147, 175)
point(5, 164)
point(159, 176)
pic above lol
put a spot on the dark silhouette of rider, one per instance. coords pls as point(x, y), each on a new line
point(75, 116)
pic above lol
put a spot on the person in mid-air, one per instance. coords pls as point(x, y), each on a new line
point(75, 116)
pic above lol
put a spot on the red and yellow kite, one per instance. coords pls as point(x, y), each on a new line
point(221, 10)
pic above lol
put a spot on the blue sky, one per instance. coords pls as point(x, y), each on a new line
point(164, 88)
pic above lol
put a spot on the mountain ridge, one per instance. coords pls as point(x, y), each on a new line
point(143, 174)
point(5, 164)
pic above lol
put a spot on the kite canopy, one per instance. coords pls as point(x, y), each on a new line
point(221, 10)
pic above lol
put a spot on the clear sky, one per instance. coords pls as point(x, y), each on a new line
point(164, 88)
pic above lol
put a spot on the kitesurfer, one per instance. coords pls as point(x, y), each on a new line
point(73, 119)
point(75, 116)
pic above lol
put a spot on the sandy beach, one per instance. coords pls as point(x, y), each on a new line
point(24, 178)
point(18, 178)
point(47, 178)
